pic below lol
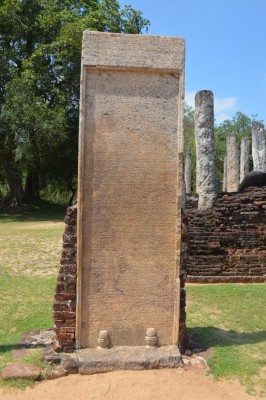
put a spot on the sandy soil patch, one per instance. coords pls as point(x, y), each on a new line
point(133, 385)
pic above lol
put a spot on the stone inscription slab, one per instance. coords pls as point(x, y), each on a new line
point(129, 188)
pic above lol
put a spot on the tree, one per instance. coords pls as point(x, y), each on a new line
point(40, 52)
point(242, 126)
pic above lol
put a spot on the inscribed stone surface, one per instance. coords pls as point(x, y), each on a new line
point(129, 191)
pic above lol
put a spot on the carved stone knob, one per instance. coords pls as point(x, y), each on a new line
point(151, 337)
point(103, 339)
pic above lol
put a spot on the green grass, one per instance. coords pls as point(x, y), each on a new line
point(231, 319)
point(31, 242)
point(40, 211)
point(25, 304)
point(33, 357)
point(29, 261)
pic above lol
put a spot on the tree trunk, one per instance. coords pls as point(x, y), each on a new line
point(32, 188)
point(73, 198)
point(14, 199)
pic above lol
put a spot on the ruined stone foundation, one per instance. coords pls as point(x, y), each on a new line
point(228, 242)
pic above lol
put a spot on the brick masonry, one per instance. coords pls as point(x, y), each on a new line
point(183, 337)
point(228, 242)
point(64, 309)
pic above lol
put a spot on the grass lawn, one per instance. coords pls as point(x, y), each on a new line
point(231, 319)
point(29, 261)
point(31, 242)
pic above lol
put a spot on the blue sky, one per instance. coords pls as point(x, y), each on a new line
point(225, 49)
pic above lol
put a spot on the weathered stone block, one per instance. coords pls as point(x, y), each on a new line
point(130, 177)
point(21, 370)
point(136, 358)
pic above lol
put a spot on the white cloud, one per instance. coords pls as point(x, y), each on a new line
point(225, 104)
point(221, 117)
point(224, 108)
point(190, 99)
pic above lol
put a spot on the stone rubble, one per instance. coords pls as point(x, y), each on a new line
point(21, 370)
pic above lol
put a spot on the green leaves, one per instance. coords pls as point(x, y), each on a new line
point(241, 125)
point(40, 53)
point(133, 21)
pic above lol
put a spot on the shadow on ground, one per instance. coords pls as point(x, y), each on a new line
point(203, 338)
point(41, 211)
point(36, 339)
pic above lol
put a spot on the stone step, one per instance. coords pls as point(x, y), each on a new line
point(135, 358)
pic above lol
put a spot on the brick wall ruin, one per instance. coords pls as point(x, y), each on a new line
point(65, 293)
point(228, 242)
point(183, 337)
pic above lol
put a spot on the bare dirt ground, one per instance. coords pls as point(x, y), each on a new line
point(175, 384)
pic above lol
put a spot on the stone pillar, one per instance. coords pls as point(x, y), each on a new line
point(204, 135)
point(258, 147)
point(184, 192)
point(225, 174)
point(244, 157)
point(232, 163)
point(130, 189)
point(188, 166)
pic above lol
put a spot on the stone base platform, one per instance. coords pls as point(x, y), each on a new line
point(97, 360)
point(93, 361)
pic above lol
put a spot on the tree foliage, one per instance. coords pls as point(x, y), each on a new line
point(241, 124)
point(40, 52)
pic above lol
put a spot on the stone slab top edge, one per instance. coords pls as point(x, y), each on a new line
point(118, 50)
